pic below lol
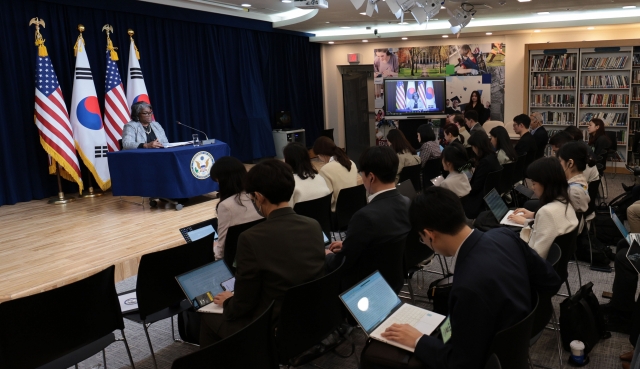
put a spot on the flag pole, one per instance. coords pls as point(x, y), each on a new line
point(91, 193)
point(61, 199)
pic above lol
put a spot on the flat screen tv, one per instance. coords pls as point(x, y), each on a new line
point(418, 98)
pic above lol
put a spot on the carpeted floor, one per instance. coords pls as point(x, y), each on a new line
point(544, 352)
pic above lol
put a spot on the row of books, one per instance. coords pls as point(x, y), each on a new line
point(609, 119)
point(608, 81)
point(634, 125)
point(636, 60)
point(612, 62)
point(558, 118)
point(635, 76)
point(604, 100)
point(635, 92)
point(557, 100)
point(621, 136)
point(547, 81)
point(635, 110)
point(566, 62)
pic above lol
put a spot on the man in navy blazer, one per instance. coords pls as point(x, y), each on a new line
point(376, 233)
point(495, 273)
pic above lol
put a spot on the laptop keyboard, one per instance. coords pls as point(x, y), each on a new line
point(407, 314)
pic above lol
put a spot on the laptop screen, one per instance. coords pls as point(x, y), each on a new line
point(199, 233)
point(371, 301)
point(327, 241)
point(205, 279)
point(619, 224)
point(496, 204)
point(200, 230)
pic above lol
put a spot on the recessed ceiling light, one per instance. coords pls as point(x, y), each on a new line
point(286, 1)
point(365, 40)
point(331, 42)
point(327, 22)
point(489, 33)
point(629, 7)
point(345, 27)
point(246, 5)
point(445, 36)
point(442, 7)
point(363, 13)
point(543, 13)
point(536, 31)
point(523, 1)
point(404, 38)
point(403, 23)
point(590, 28)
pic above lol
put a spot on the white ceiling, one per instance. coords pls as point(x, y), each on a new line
point(512, 16)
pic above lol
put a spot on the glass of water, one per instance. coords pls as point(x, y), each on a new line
point(196, 140)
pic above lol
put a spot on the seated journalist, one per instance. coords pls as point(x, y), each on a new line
point(284, 251)
point(372, 229)
point(142, 132)
point(495, 274)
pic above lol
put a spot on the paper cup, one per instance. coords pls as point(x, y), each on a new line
point(577, 351)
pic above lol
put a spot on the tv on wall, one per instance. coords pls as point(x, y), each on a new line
point(414, 98)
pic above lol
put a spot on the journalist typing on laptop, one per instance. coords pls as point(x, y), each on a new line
point(489, 293)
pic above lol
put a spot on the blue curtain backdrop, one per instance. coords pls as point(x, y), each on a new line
point(225, 75)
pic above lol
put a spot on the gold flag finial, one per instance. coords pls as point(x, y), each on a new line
point(130, 33)
point(76, 47)
point(112, 50)
point(42, 50)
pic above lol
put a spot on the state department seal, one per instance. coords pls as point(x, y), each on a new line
point(201, 165)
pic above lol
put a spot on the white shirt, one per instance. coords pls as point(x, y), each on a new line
point(231, 213)
point(372, 196)
point(308, 189)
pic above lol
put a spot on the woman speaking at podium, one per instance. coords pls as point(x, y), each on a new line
point(142, 132)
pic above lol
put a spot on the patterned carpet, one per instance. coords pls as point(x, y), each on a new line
point(544, 352)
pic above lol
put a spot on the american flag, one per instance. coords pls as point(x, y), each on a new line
point(52, 119)
point(421, 93)
point(116, 111)
point(400, 96)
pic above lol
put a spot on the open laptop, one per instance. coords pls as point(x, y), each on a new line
point(202, 284)
point(499, 208)
point(327, 240)
point(633, 255)
point(630, 237)
point(199, 230)
point(375, 306)
point(406, 189)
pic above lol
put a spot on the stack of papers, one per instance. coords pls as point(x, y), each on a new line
point(176, 144)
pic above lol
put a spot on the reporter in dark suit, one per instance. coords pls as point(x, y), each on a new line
point(487, 162)
point(384, 221)
point(495, 273)
point(282, 252)
point(539, 134)
point(526, 144)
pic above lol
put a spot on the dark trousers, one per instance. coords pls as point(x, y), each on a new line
point(214, 327)
point(625, 281)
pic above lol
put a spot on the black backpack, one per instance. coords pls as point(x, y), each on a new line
point(439, 291)
point(581, 319)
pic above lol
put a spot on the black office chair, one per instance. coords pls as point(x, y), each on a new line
point(159, 294)
point(493, 363)
point(327, 133)
point(309, 313)
point(349, 201)
point(62, 327)
point(508, 178)
point(567, 243)
point(430, 170)
point(545, 311)
point(406, 189)
point(416, 256)
point(231, 242)
point(518, 176)
point(318, 209)
point(120, 144)
point(250, 347)
point(511, 345)
point(413, 173)
point(492, 181)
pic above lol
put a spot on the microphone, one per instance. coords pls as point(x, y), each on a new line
point(206, 141)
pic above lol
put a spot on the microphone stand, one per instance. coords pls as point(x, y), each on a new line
point(206, 141)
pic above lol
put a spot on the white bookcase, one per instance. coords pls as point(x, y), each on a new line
point(634, 110)
point(572, 86)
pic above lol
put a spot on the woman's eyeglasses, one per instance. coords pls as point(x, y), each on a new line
point(146, 113)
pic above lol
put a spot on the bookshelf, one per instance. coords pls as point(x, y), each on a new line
point(571, 86)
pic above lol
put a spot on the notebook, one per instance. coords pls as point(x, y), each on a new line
point(199, 230)
point(630, 237)
point(202, 284)
point(375, 306)
point(499, 208)
point(633, 255)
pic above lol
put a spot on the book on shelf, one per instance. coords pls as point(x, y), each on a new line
point(558, 118)
point(621, 136)
point(609, 119)
point(565, 62)
point(612, 62)
point(551, 82)
point(635, 76)
point(553, 100)
point(604, 100)
point(608, 81)
point(635, 92)
point(636, 60)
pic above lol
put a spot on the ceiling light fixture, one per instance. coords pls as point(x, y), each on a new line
point(404, 38)
point(536, 31)
point(363, 13)
point(345, 27)
point(246, 5)
point(286, 1)
point(421, 10)
point(543, 13)
point(365, 40)
point(590, 28)
point(403, 23)
point(445, 36)
point(489, 33)
point(629, 7)
point(331, 42)
point(460, 17)
point(523, 1)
